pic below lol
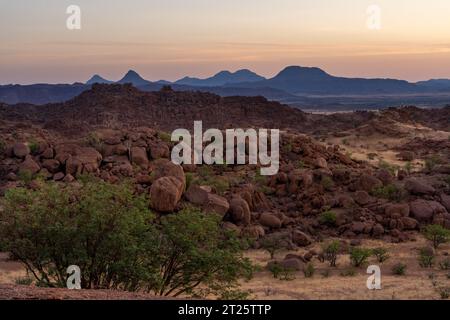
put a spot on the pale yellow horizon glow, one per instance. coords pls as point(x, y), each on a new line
point(169, 39)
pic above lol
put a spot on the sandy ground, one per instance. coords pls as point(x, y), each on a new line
point(381, 146)
point(418, 283)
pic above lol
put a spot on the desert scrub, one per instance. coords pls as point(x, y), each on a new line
point(273, 243)
point(282, 273)
point(328, 218)
point(359, 256)
point(436, 234)
point(164, 137)
point(381, 254)
point(445, 264)
point(25, 176)
point(399, 269)
point(110, 233)
point(432, 161)
point(392, 169)
point(330, 252)
point(287, 148)
point(408, 167)
point(309, 270)
point(24, 281)
point(327, 183)
point(390, 192)
point(34, 146)
point(444, 293)
point(426, 257)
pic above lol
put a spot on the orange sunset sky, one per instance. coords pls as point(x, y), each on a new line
point(169, 39)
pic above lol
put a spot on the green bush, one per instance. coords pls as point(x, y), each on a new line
point(282, 273)
point(359, 256)
point(389, 192)
point(390, 168)
point(309, 270)
point(426, 257)
point(331, 251)
point(328, 218)
point(432, 161)
point(34, 147)
point(113, 237)
point(273, 243)
point(165, 137)
point(444, 293)
point(381, 254)
point(327, 183)
point(436, 234)
point(445, 264)
point(399, 269)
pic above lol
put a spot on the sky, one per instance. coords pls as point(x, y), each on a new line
point(169, 39)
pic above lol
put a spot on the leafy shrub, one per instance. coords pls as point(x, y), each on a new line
point(390, 192)
point(426, 258)
point(436, 234)
point(207, 177)
point(25, 176)
point(273, 243)
point(432, 161)
point(195, 251)
point(399, 269)
point(444, 293)
point(331, 251)
point(282, 273)
point(381, 254)
point(287, 148)
point(327, 183)
point(408, 167)
point(112, 236)
point(309, 270)
point(359, 256)
point(93, 140)
point(391, 168)
point(165, 137)
point(328, 218)
point(34, 147)
point(445, 264)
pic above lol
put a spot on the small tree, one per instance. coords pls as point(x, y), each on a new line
point(381, 254)
point(359, 256)
point(113, 237)
point(437, 234)
point(194, 251)
point(331, 251)
point(399, 269)
point(426, 257)
point(275, 242)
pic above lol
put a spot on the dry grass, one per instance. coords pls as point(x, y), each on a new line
point(416, 284)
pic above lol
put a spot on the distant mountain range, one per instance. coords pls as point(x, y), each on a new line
point(293, 85)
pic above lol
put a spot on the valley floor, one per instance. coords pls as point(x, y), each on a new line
point(417, 283)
